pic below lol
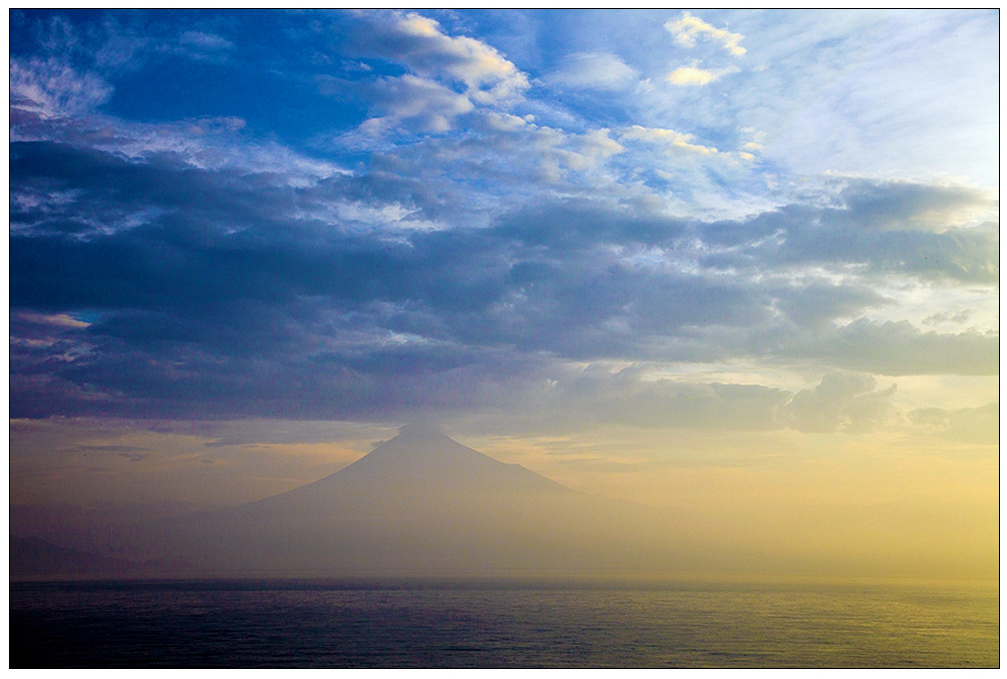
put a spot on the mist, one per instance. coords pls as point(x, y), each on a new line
point(423, 504)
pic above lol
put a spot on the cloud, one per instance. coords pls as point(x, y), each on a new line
point(593, 71)
point(595, 395)
point(909, 206)
point(512, 154)
point(899, 348)
point(131, 453)
point(192, 268)
point(687, 27)
point(809, 302)
point(690, 75)
point(672, 140)
point(911, 96)
point(419, 42)
point(576, 152)
point(968, 425)
point(207, 143)
point(207, 42)
point(449, 76)
point(320, 299)
point(426, 104)
point(218, 125)
point(888, 227)
point(956, 317)
point(52, 89)
point(843, 401)
point(46, 321)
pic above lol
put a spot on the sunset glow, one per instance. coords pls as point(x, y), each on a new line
point(738, 266)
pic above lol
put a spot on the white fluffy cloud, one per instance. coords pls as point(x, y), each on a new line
point(671, 140)
point(448, 76)
point(690, 75)
point(420, 44)
point(687, 27)
point(426, 104)
point(427, 50)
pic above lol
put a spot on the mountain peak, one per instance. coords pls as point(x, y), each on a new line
point(421, 446)
point(423, 453)
point(422, 429)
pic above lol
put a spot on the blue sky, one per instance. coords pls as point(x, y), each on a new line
point(662, 224)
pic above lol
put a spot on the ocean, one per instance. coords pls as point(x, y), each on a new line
point(502, 623)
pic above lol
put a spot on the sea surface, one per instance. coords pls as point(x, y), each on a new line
point(502, 623)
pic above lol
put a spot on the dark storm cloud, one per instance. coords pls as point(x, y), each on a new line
point(574, 225)
point(815, 304)
point(964, 255)
point(181, 289)
point(878, 228)
point(904, 206)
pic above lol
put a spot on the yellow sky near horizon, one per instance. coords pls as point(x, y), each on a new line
point(870, 504)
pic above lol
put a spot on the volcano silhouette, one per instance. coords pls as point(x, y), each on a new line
point(423, 503)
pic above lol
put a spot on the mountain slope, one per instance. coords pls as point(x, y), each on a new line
point(423, 503)
point(422, 463)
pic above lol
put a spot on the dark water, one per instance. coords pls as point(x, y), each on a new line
point(500, 623)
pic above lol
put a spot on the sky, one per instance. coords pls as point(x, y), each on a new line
point(740, 263)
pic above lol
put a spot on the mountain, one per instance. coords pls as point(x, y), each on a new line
point(422, 503)
point(420, 464)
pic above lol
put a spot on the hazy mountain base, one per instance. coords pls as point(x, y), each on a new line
point(422, 503)
point(419, 504)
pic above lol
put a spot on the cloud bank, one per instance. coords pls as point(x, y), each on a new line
point(458, 244)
